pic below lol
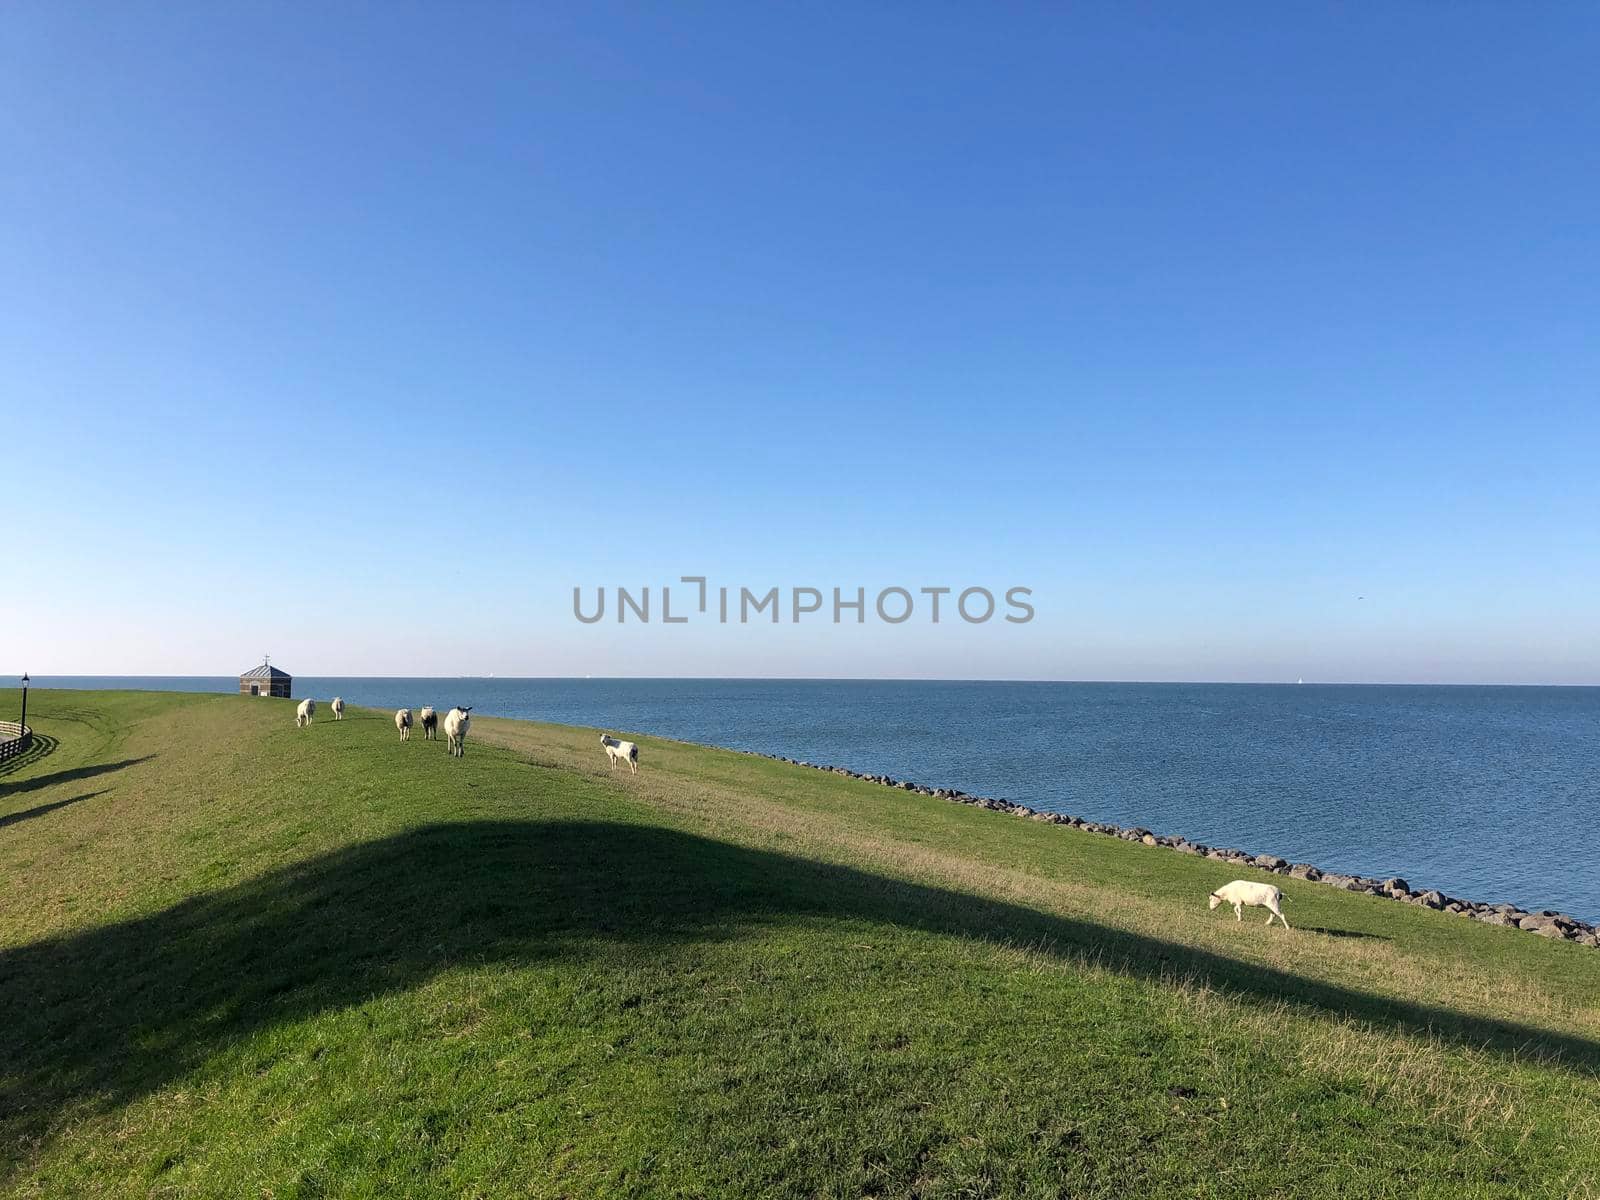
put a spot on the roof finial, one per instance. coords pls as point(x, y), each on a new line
point(266, 660)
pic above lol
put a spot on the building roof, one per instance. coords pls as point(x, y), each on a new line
point(263, 672)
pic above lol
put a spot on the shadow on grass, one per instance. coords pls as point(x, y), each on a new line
point(106, 1015)
point(42, 747)
point(1343, 933)
point(41, 781)
point(28, 814)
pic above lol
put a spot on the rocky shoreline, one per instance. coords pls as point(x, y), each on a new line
point(1545, 922)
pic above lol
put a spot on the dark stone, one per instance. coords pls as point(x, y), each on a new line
point(1540, 922)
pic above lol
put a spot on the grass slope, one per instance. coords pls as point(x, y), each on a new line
point(237, 959)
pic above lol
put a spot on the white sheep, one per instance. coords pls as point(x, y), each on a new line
point(456, 724)
point(626, 751)
point(402, 722)
point(303, 714)
point(338, 708)
point(430, 722)
point(1242, 894)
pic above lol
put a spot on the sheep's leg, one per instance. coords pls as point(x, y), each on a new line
point(1281, 917)
point(1238, 912)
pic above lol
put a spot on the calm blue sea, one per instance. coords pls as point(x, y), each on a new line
point(1485, 792)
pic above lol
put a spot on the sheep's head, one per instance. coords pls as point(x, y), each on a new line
point(1215, 900)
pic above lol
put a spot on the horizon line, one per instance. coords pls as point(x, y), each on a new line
point(849, 679)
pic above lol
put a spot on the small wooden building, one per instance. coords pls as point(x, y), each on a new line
point(265, 680)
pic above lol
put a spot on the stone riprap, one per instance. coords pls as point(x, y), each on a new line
point(1544, 922)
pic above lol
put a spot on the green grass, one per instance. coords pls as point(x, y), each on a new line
point(240, 959)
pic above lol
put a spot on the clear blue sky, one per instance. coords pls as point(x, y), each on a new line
point(1260, 341)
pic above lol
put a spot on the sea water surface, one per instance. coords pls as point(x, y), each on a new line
point(1490, 793)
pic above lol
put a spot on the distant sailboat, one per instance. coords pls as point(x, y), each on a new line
point(1299, 680)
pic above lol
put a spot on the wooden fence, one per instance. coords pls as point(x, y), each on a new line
point(14, 739)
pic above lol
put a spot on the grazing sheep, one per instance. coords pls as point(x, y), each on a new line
point(303, 714)
point(402, 722)
point(1241, 893)
point(338, 708)
point(430, 722)
point(626, 751)
point(456, 724)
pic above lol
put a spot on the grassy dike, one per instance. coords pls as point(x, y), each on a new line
point(237, 959)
